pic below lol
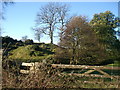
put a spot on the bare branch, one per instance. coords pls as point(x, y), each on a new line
point(51, 17)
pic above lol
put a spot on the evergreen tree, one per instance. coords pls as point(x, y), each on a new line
point(104, 25)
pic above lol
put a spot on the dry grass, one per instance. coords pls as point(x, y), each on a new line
point(40, 79)
point(48, 77)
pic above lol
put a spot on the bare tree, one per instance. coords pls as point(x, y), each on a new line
point(38, 34)
point(51, 17)
point(3, 5)
point(74, 35)
point(24, 38)
point(79, 43)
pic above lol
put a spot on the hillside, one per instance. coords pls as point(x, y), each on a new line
point(28, 51)
point(34, 52)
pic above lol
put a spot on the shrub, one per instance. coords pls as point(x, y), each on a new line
point(28, 42)
point(35, 47)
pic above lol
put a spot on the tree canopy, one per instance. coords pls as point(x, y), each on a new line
point(104, 25)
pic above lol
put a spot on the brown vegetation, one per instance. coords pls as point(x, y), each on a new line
point(48, 77)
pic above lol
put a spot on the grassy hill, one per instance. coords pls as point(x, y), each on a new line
point(39, 52)
point(34, 52)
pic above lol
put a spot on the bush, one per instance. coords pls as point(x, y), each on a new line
point(35, 47)
point(38, 53)
point(28, 42)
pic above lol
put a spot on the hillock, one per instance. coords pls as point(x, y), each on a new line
point(34, 52)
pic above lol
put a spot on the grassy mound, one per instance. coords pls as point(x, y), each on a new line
point(33, 52)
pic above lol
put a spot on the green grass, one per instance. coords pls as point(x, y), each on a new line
point(115, 64)
point(85, 82)
point(31, 52)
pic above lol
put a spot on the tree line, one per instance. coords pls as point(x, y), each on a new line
point(89, 43)
point(80, 41)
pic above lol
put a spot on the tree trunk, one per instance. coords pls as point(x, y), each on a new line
point(51, 36)
point(73, 58)
point(72, 61)
point(51, 39)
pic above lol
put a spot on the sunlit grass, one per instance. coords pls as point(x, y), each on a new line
point(29, 53)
